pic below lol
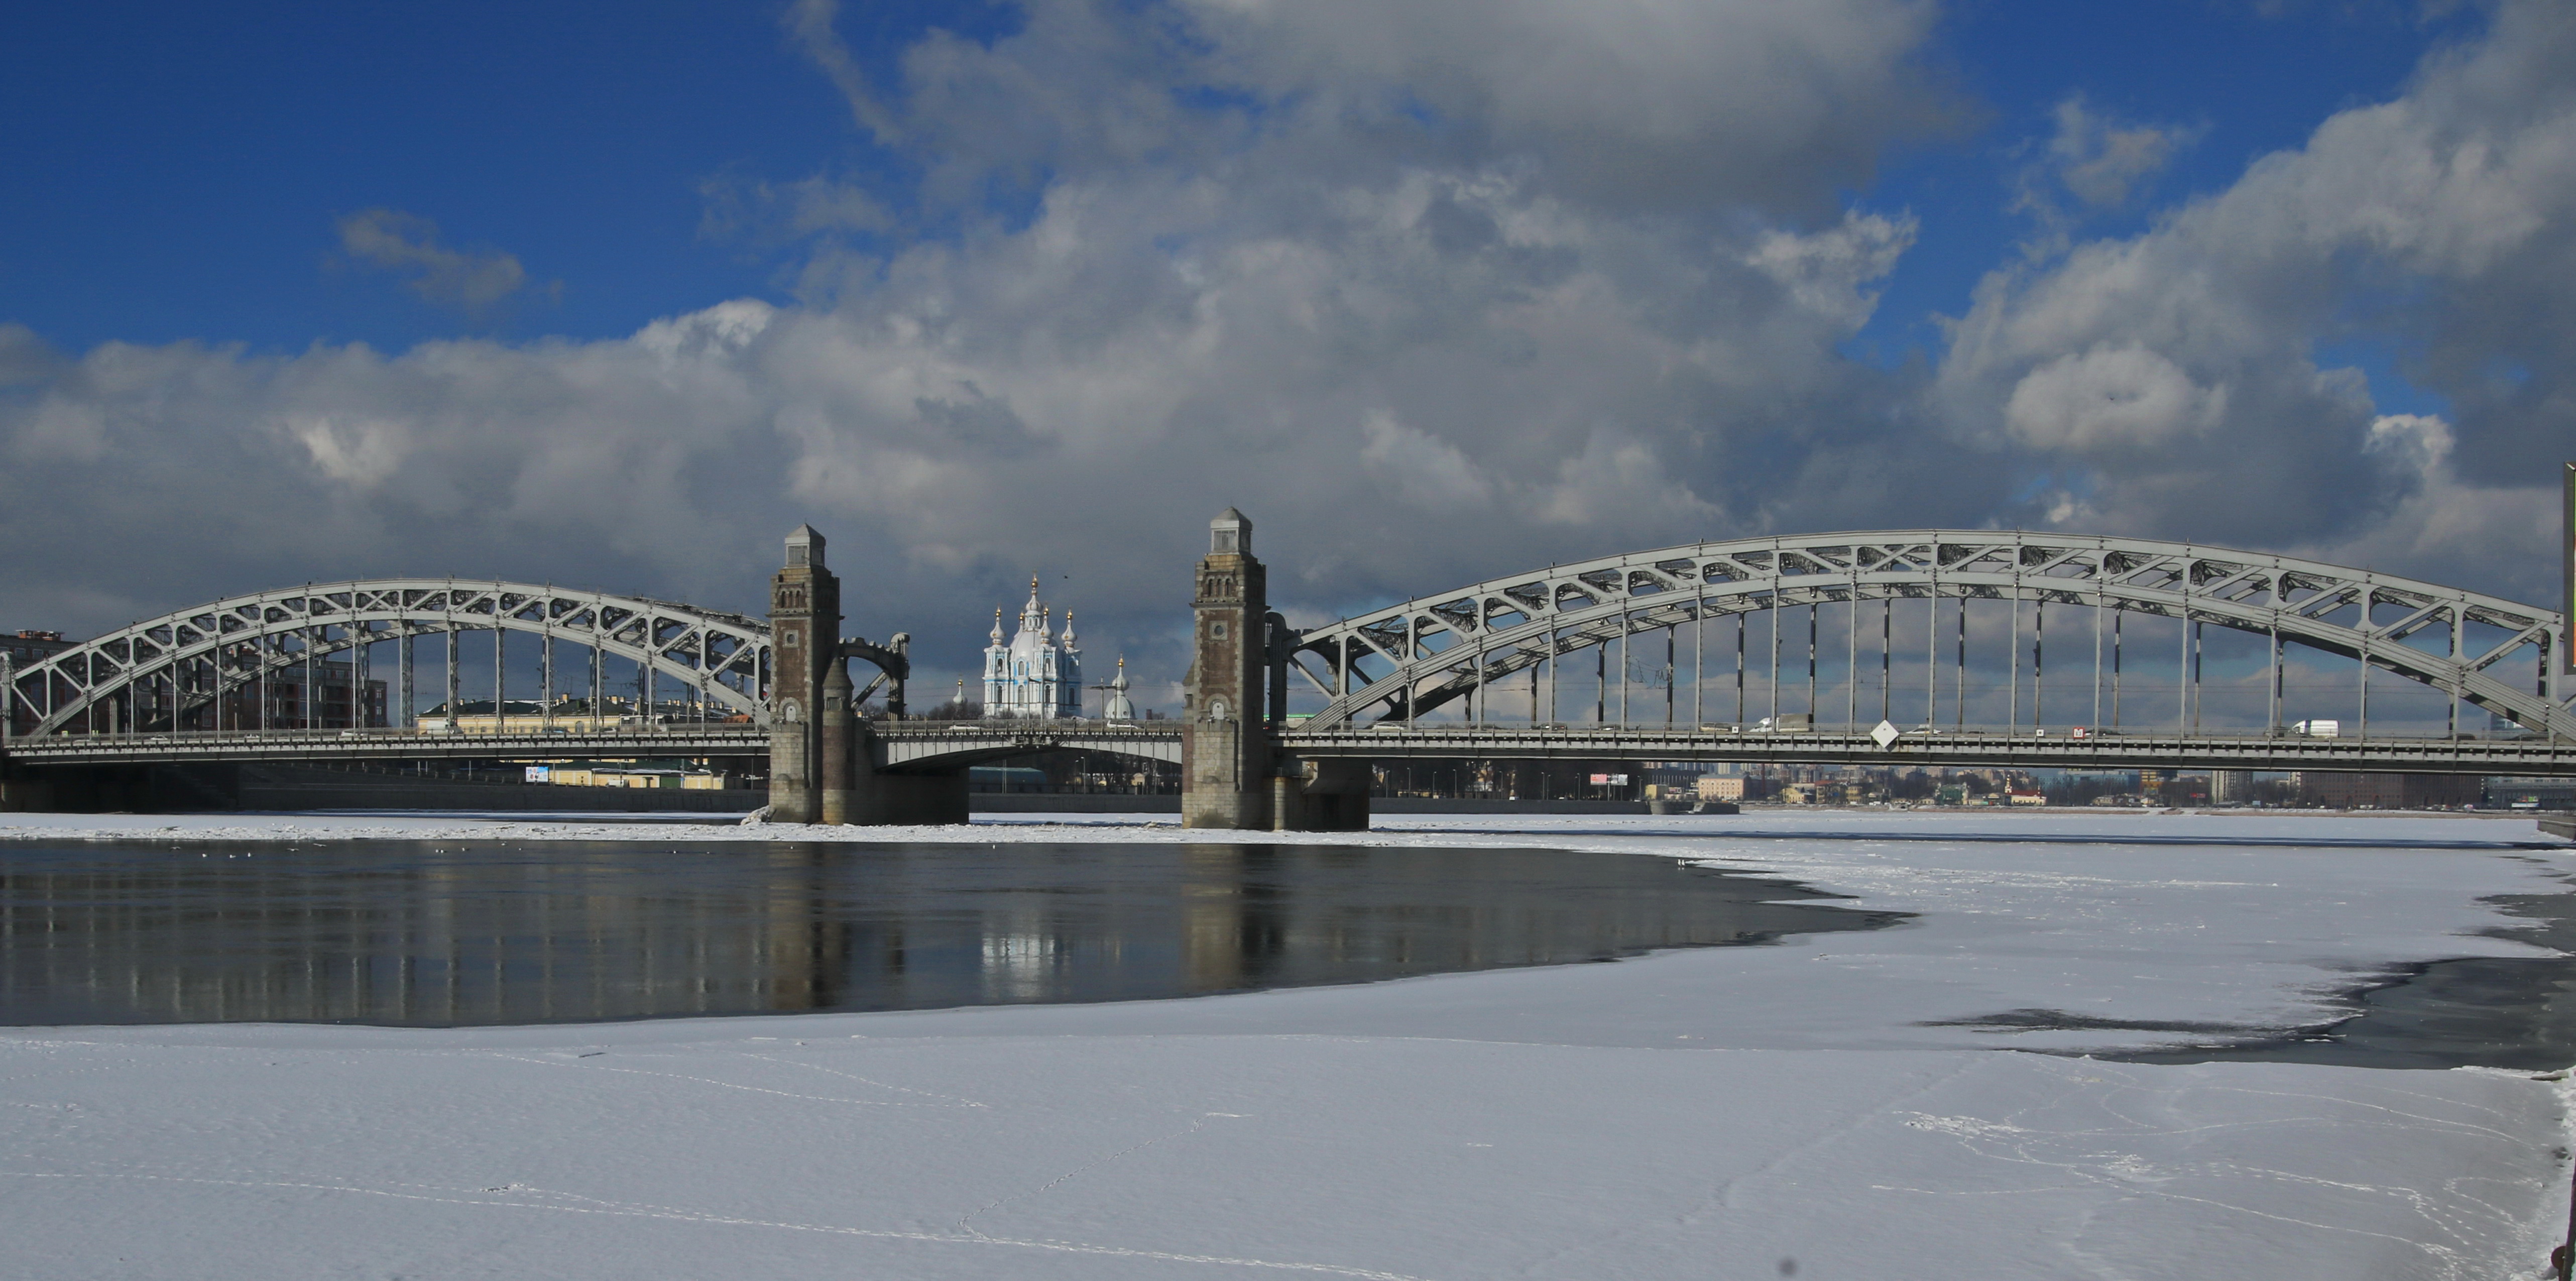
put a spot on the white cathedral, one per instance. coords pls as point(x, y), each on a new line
point(1033, 675)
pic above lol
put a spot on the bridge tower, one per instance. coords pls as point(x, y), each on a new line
point(1225, 744)
point(805, 644)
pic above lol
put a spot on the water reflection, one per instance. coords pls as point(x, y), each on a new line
point(447, 934)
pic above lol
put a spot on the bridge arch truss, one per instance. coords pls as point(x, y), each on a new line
point(1393, 664)
point(177, 671)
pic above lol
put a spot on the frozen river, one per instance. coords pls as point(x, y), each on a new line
point(442, 933)
point(1837, 1104)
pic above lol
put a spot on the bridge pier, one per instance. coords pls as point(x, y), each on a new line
point(1226, 761)
point(1320, 796)
point(805, 631)
point(25, 795)
point(888, 798)
point(836, 729)
point(1233, 774)
point(821, 752)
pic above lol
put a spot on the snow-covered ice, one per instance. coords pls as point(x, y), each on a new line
point(1830, 1101)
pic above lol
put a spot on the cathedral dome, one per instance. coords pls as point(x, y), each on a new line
point(1032, 674)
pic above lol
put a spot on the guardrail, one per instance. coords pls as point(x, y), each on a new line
point(690, 739)
point(2053, 749)
point(921, 742)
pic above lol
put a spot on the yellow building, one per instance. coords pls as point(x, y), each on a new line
point(1715, 788)
point(611, 774)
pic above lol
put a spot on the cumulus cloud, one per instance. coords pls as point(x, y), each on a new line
point(1829, 272)
point(2110, 398)
point(1429, 313)
point(407, 245)
point(810, 23)
point(2440, 521)
point(2178, 371)
point(2102, 162)
point(1422, 469)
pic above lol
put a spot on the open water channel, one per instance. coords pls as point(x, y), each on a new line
point(462, 933)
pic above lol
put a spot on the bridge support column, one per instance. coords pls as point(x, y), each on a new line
point(879, 798)
point(1225, 744)
point(25, 795)
point(1320, 796)
point(805, 634)
point(834, 728)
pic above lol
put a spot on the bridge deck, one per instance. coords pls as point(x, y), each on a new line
point(716, 739)
point(929, 745)
point(2527, 756)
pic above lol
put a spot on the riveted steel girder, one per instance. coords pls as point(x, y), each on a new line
point(1434, 649)
point(724, 656)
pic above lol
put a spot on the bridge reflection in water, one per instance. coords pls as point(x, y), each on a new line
point(464, 934)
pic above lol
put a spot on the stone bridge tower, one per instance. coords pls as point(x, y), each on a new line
point(1225, 743)
point(805, 646)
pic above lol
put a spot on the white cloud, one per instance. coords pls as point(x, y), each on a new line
point(472, 282)
point(2102, 162)
point(2176, 371)
point(2109, 398)
point(1637, 102)
point(809, 22)
point(361, 454)
point(2441, 521)
point(1828, 272)
point(1420, 469)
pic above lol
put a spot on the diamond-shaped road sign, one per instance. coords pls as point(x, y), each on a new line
point(1885, 735)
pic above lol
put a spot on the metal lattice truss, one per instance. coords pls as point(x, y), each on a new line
point(165, 669)
point(1411, 658)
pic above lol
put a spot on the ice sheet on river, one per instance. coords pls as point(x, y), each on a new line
point(1708, 1113)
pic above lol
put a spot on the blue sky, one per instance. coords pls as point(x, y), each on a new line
point(1435, 290)
point(177, 171)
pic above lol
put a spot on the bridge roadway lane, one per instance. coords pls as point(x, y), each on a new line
point(929, 745)
point(2053, 750)
point(711, 739)
point(943, 743)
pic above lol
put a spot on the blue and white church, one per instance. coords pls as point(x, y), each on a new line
point(1033, 675)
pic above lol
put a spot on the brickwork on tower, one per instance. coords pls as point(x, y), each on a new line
point(1225, 745)
point(805, 640)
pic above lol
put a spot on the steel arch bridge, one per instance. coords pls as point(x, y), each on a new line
point(163, 673)
point(1389, 666)
point(170, 676)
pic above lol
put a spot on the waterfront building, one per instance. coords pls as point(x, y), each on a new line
point(675, 775)
point(2334, 789)
point(1033, 675)
point(32, 645)
point(2530, 794)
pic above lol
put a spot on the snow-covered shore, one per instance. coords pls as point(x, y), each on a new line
point(1831, 1100)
